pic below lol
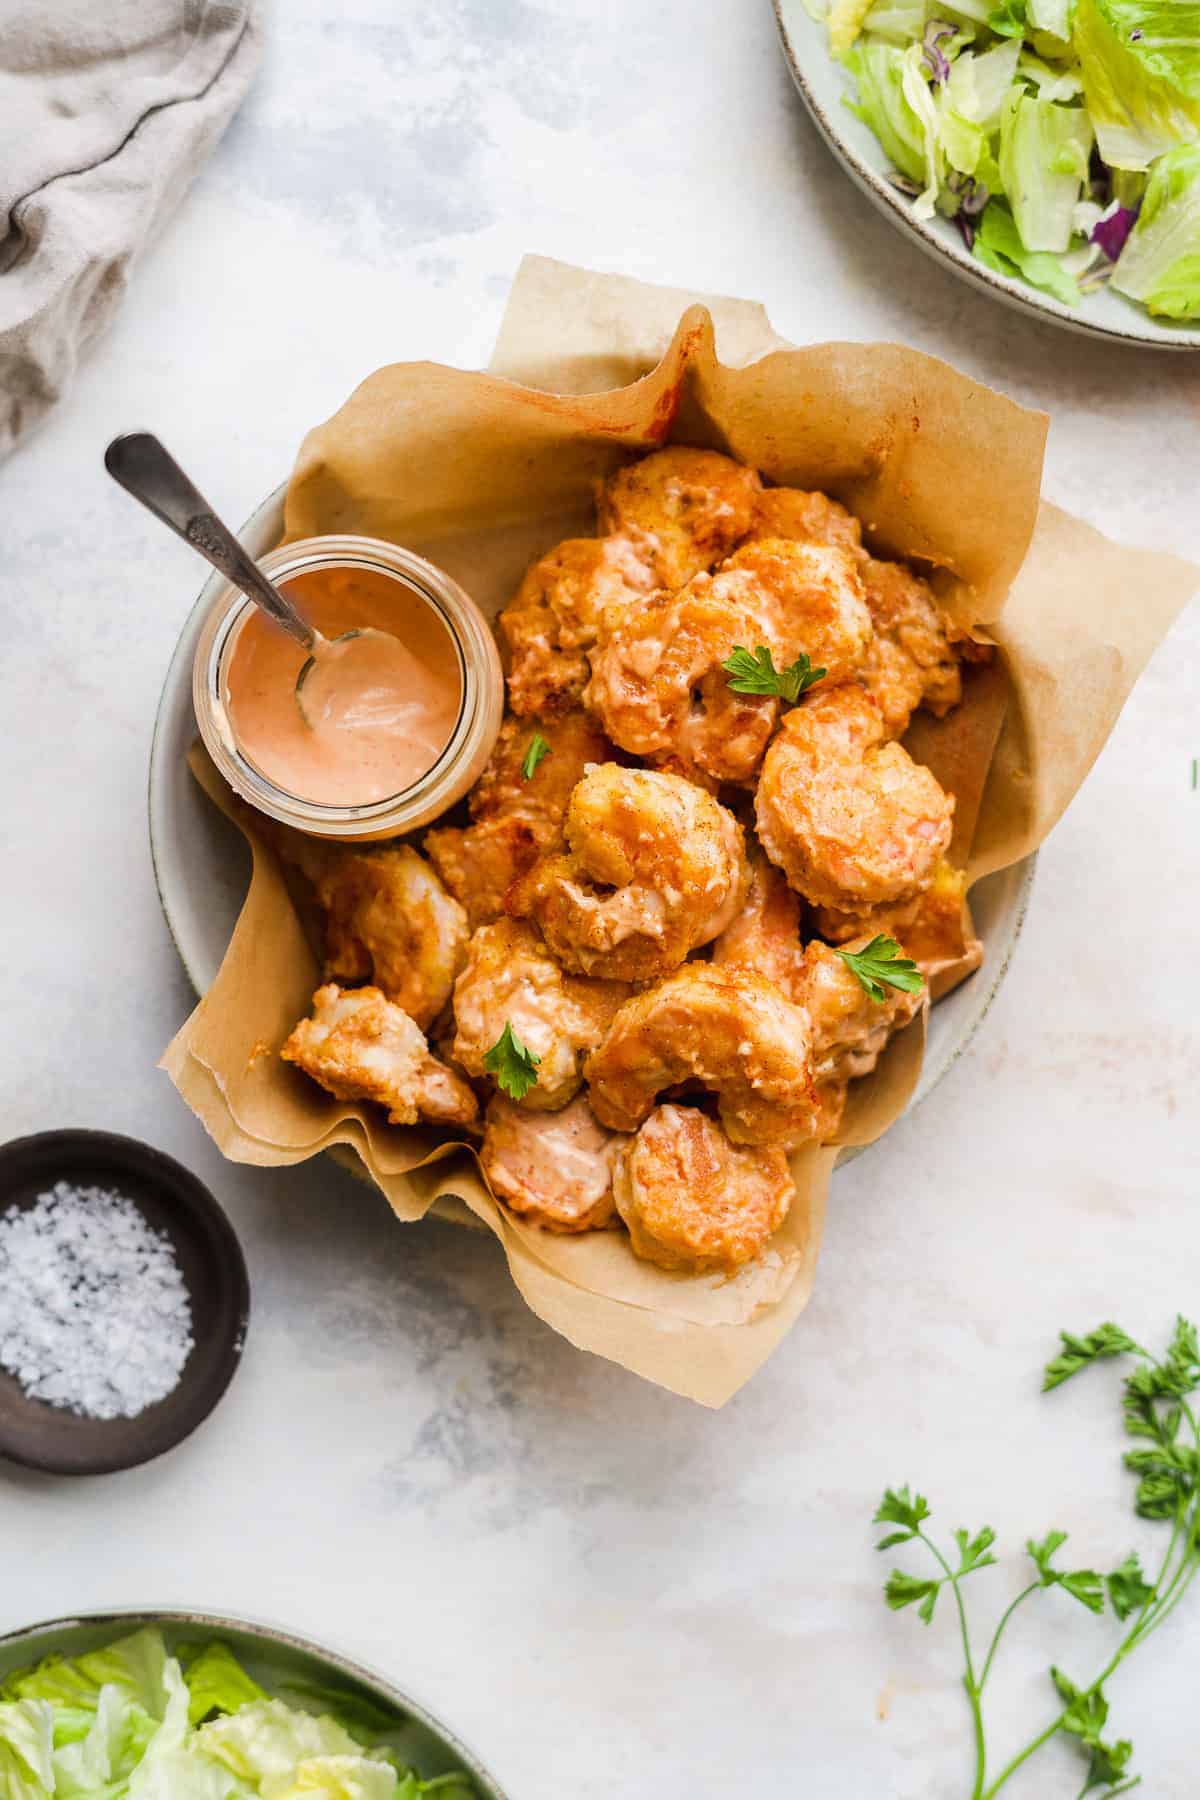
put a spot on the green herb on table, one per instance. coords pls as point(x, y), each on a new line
point(1157, 1413)
point(756, 673)
point(879, 964)
point(538, 749)
point(513, 1065)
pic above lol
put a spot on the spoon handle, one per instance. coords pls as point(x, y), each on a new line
point(145, 469)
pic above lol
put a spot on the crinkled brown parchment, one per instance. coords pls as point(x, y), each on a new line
point(483, 471)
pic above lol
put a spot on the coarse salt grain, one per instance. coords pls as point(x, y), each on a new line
point(94, 1313)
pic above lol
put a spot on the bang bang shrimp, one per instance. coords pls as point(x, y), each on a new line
point(692, 1200)
point(765, 936)
point(850, 1029)
point(912, 661)
point(851, 819)
point(553, 1169)
point(682, 510)
point(553, 620)
point(516, 817)
point(815, 598)
point(654, 868)
point(806, 518)
point(388, 920)
point(359, 1046)
point(659, 688)
point(725, 1030)
point(511, 979)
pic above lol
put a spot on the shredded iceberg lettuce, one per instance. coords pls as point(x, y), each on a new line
point(1041, 127)
point(128, 1722)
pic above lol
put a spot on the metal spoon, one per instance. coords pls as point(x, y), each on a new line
point(145, 469)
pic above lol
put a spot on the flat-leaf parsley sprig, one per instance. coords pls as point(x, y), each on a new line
point(880, 962)
point(755, 673)
point(513, 1063)
point(537, 750)
point(1158, 1413)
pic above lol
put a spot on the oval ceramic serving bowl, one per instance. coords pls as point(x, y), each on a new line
point(202, 865)
point(274, 1658)
point(824, 86)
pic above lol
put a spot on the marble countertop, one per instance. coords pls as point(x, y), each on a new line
point(607, 1590)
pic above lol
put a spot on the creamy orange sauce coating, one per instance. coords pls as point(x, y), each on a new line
point(379, 713)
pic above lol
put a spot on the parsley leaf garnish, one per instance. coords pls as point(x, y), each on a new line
point(880, 962)
point(1158, 1411)
point(513, 1065)
point(538, 749)
point(756, 673)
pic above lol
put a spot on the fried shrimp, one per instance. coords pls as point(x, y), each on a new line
point(814, 596)
point(511, 979)
point(572, 739)
point(727, 1030)
point(388, 919)
point(850, 819)
point(554, 1169)
point(911, 661)
point(935, 929)
point(806, 518)
point(654, 868)
point(682, 510)
point(359, 1046)
point(517, 818)
point(660, 691)
point(692, 1199)
point(765, 936)
point(850, 1030)
point(552, 622)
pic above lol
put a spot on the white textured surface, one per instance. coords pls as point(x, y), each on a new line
point(608, 1591)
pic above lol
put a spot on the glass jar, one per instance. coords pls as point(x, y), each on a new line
point(470, 742)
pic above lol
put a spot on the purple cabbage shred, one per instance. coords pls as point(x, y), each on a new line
point(1112, 231)
point(937, 33)
point(972, 197)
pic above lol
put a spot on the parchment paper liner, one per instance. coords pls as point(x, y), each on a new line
point(480, 475)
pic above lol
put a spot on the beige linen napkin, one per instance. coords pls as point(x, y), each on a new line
point(106, 113)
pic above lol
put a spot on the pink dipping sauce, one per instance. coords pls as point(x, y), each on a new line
point(379, 714)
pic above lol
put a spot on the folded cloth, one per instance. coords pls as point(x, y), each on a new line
point(107, 109)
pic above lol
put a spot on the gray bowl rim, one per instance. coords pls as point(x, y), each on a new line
point(134, 1617)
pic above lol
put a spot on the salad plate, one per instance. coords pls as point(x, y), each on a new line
point(306, 1702)
point(829, 92)
point(202, 865)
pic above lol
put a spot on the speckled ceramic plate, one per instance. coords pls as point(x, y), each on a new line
point(824, 86)
point(202, 865)
point(276, 1659)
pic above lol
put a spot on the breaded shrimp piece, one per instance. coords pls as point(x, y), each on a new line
point(479, 863)
point(784, 512)
point(551, 623)
point(850, 819)
point(512, 979)
point(692, 1199)
point(574, 740)
point(911, 661)
point(850, 1030)
point(516, 820)
point(388, 920)
point(682, 510)
point(660, 691)
point(727, 1030)
point(815, 597)
point(359, 1046)
point(765, 936)
point(935, 929)
point(654, 868)
point(554, 1169)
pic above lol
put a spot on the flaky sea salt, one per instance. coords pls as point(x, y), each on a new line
point(94, 1313)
